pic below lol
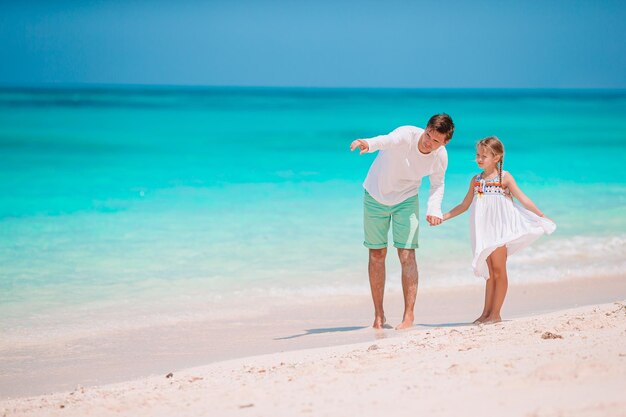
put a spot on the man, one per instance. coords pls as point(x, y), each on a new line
point(405, 156)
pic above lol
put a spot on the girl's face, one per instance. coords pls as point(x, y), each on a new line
point(485, 159)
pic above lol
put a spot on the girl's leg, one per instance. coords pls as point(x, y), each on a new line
point(488, 295)
point(501, 283)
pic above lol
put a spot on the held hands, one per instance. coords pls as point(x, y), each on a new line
point(434, 221)
point(361, 144)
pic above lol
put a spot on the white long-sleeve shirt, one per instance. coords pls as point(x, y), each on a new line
point(396, 173)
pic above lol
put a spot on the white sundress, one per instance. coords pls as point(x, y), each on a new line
point(495, 221)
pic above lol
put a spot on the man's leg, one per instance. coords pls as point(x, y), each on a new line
point(405, 236)
point(376, 270)
point(376, 221)
point(409, 286)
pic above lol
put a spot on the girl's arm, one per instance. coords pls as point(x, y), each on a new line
point(509, 183)
point(462, 208)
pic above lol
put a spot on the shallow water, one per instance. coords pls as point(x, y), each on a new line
point(166, 202)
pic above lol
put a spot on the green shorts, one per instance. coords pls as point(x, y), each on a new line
point(377, 218)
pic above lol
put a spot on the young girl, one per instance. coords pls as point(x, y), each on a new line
point(499, 227)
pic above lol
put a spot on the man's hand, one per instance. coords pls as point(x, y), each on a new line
point(361, 144)
point(434, 221)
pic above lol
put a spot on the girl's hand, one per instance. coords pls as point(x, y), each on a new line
point(361, 144)
point(434, 221)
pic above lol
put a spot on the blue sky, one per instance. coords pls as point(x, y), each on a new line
point(421, 44)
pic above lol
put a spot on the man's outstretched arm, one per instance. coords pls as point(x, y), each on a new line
point(361, 144)
point(399, 137)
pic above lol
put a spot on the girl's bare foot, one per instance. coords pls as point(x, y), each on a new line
point(480, 319)
point(379, 322)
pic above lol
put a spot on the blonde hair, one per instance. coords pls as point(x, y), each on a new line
point(495, 146)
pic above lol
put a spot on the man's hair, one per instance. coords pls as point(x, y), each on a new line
point(442, 123)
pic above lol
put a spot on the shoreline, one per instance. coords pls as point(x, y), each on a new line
point(568, 362)
point(330, 322)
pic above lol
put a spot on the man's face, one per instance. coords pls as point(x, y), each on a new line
point(432, 140)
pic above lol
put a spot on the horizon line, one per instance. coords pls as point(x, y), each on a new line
point(146, 86)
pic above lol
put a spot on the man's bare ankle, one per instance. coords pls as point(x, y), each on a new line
point(379, 321)
point(407, 322)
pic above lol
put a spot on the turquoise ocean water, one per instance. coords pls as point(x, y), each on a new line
point(168, 202)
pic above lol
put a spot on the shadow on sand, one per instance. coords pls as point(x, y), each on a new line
point(326, 330)
point(386, 327)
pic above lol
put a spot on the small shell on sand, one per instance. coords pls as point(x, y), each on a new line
point(550, 335)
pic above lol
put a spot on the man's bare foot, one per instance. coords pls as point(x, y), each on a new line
point(379, 322)
point(492, 319)
point(480, 319)
point(407, 323)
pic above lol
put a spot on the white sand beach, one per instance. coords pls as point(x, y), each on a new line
point(545, 359)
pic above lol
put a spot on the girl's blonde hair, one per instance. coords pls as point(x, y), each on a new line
point(495, 146)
